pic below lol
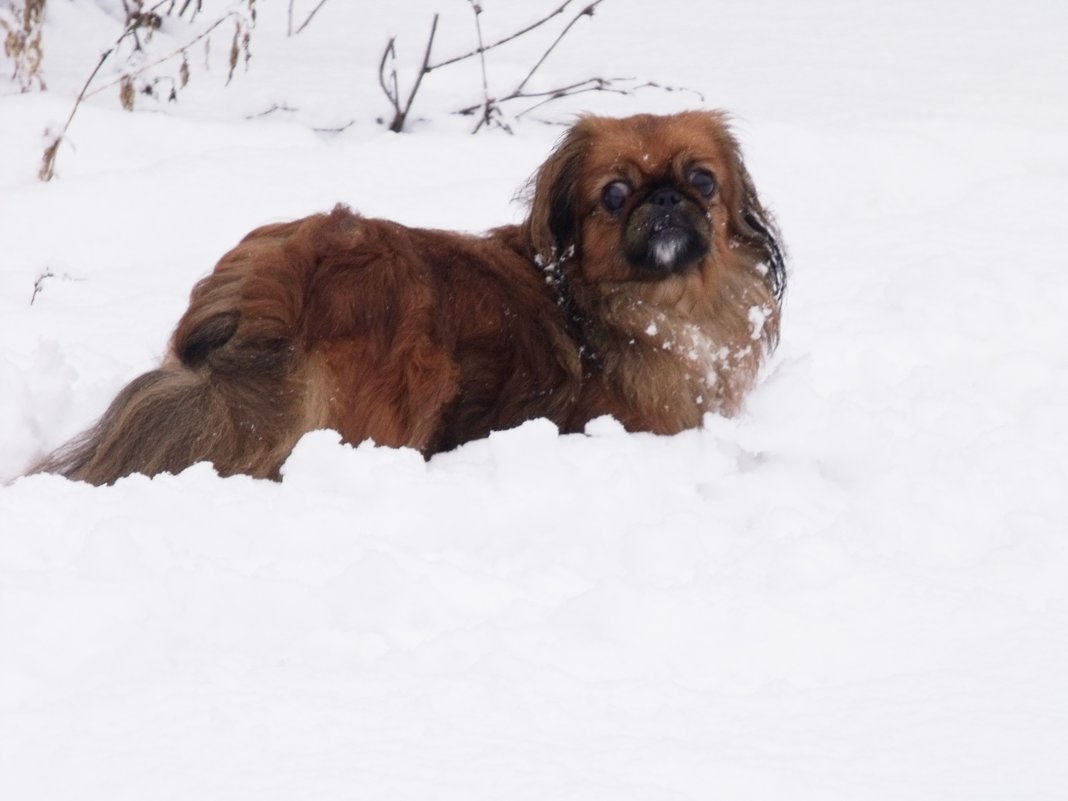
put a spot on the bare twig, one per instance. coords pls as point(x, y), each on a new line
point(304, 24)
point(390, 89)
point(593, 85)
point(138, 18)
point(559, 10)
point(336, 130)
point(186, 5)
point(274, 107)
point(48, 165)
point(490, 106)
point(146, 67)
point(393, 93)
point(38, 284)
point(610, 85)
point(586, 12)
point(486, 103)
point(589, 84)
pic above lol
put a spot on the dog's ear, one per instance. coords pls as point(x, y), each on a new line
point(754, 226)
point(750, 223)
point(553, 222)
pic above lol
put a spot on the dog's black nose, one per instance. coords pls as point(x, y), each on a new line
point(666, 197)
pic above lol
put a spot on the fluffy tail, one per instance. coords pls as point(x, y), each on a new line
point(230, 392)
point(170, 418)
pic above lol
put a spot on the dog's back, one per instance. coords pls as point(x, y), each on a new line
point(407, 337)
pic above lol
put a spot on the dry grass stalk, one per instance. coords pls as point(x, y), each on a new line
point(23, 29)
point(141, 22)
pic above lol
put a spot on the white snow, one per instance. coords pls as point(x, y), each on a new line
point(858, 589)
point(758, 316)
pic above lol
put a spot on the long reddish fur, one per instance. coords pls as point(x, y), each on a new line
point(429, 339)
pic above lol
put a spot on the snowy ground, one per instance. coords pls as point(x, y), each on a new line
point(856, 590)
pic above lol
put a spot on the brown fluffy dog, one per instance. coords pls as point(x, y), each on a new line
point(645, 284)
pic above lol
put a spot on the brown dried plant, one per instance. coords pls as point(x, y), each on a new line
point(139, 75)
point(23, 29)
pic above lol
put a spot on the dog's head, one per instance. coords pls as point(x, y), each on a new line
point(646, 198)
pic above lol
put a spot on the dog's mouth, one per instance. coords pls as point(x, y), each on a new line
point(668, 245)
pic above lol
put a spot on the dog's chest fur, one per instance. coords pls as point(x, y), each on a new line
point(662, 361)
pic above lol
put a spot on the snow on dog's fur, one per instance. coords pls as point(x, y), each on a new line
point(645, 243)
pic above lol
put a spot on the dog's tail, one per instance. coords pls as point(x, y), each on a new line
point(173, 417)
point(232, 390)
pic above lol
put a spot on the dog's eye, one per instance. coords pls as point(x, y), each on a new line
point(704, 182)
point(615, 195)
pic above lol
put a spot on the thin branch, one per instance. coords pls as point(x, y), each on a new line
point(314, 11)
point(38, 285)
point(274, 107)
point(586, 12)
point(337, 130)
point(425, 68)
point(551, 94)
point(390, 92)
point(482, 57)
point(610, 85)
point(600, 85)
point(85, 89)
point(401, 115)
point(145, 68)
point(506, 39)
point(48, 162)
point(48, 166)
point(590, 84)
point(595, 87)
point(491, 107)
point(394, 80)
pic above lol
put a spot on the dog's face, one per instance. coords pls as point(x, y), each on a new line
point(663, 217)
point(646, 198)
